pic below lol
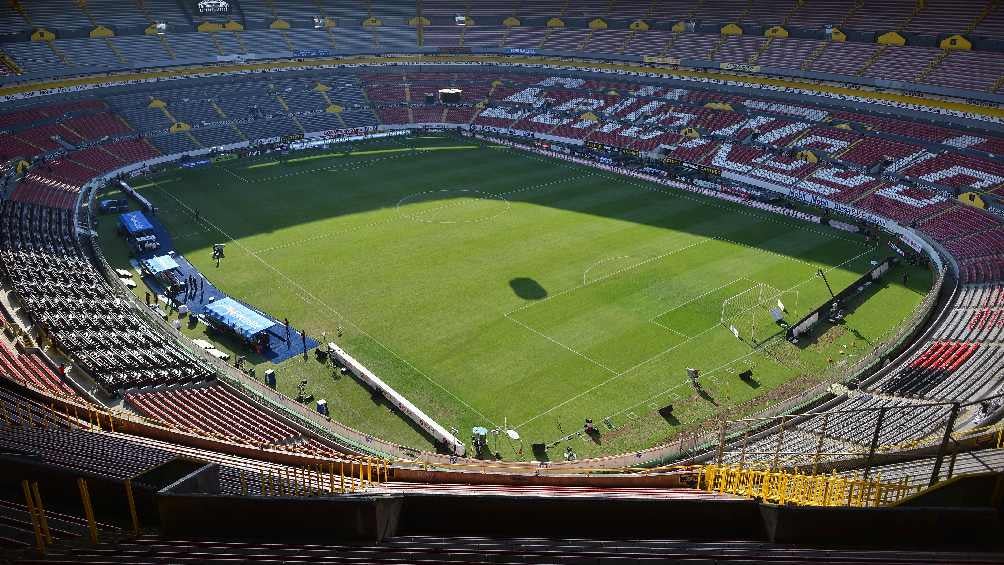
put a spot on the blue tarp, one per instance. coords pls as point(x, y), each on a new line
point(157, 265)
point(244, 321)
point(135, 223)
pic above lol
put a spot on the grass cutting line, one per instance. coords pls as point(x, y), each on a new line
point(696, 298)
point(702, 241)
point(265, 164)
point(435, 296)
point(663, 353)
point(399, 217)
point(308, 297)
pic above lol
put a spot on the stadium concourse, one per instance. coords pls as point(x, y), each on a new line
point(886, 114)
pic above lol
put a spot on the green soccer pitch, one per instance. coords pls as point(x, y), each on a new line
point(491, 286)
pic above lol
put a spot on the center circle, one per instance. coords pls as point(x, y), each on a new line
point(453, 206)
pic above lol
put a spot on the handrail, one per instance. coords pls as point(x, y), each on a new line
point(800, 489)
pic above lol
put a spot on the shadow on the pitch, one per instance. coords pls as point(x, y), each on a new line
point(707, 397)
point(816, 334)
point(527, 288)
point(667, 414)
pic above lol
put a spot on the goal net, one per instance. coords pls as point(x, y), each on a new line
point(754, 313)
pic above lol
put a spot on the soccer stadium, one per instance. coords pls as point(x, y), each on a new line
point(502, 281)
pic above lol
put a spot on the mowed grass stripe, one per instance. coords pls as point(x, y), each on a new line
point(438, 294)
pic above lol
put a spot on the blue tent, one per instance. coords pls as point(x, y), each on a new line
point(242, 320)
point(157, 265)
point(135, 223)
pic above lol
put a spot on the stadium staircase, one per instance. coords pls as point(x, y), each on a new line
point(233, 125)
point(217, 45)
point(285, 108)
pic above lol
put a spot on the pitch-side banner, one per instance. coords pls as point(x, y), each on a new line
point(740, 67)
point(661, 60)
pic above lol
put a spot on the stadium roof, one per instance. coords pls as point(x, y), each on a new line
point(242, 320)
point(135, 222)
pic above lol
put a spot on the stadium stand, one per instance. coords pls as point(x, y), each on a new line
point(856, 53)
point(908, 167)
point(216, 410)
point(71, 302)
point(33, 370)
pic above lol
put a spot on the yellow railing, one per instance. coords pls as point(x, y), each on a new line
point(317, 480)
point(790, 487)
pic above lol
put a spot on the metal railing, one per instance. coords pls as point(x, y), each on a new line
point(794, 487)
point(861, 438)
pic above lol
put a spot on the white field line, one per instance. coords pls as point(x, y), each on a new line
point(665, 327)
point(766, 217)
point(685, 382)
point(598, 263)
point(309, 297)
point(769, 252)
point(328, 235)
point(612, 274)
point(235, 175)
point(462, 201)
point(613, 378)
point(717, 325)
point(696, 298)
point(562, 345)
point(618, 178)
point(667, 351)
point(339, 167)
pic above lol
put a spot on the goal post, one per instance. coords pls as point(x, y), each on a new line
point(755, 308)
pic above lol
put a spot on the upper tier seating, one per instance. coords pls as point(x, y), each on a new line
point(919, 60)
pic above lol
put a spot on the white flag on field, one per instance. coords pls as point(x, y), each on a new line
point(734, 331)
point(780, 306)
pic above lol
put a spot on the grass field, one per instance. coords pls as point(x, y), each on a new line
point(490, 286)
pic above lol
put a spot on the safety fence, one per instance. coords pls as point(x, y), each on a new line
point(872, 426)
point(809, 441)
point(73, 412)
point(317, 480)
point(793, 487)
point(40, 524)
point(289, 482)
